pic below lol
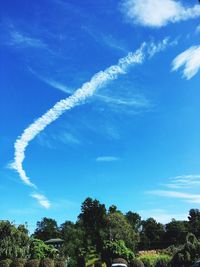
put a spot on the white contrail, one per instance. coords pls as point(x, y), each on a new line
point(87, 90)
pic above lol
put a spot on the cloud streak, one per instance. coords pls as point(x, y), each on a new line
point(107, 159)
point(189, 60)
point(184, 181)
point(42, 200)
point(79, 96)
point(156, 13)
point(191, 198)
point(22, 40)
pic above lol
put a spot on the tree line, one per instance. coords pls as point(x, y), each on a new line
point(103, 233)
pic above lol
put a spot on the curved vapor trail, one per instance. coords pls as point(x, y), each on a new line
point(87, 90)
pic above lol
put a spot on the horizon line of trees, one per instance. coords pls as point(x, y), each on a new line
point(109, 232)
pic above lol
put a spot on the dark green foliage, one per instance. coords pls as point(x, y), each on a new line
point(187, 253)
point(98, 264)
point(14, 240)
point(147, 262)
point(46, 229)
point(73, 236)
point(18, 262)
point(194, 222)
point(46, 263)
point(39, 250)
point(175, 232)
point(136, 263)
point(120, 229)
point(5, 263)
point(134, 219)
point(162, 263)
point(152, 235)
point(33, 263)
point(59, 263)
point(116, 249)
point(93, 218)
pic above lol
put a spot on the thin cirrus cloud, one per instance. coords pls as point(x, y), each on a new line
point(189, 60)
point(42, 200)
point(20, 39)
point(157, 13)
point(181, 182)
point(187, 197)
point(107, 159)
point(184, 181)
point(79, 96)
point(132, 101)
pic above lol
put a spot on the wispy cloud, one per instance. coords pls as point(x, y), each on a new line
point(42, 200)
point(105, 39)
point(53, 83)
point(80, 95)
point(191, 198)
point(157, 13)
point(161, 215)
point(107, 159)
point(189, 60)
point(20, 39)
point(184, 181)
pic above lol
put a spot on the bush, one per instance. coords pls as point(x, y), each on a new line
point(59, 263)
point(18, 262)
point(46, 263)
point(98, 264)
point(32, 263)
point(136, 263)
point(5, 263)
point(162, 262)
point(150, 260)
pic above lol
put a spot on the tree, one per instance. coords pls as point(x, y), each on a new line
point(135, 220)
point(46, 229)
point(175, 232)
point(194, 222)
point(14, 241)
point(93, 219)
point(152, 234)
point(120, 229)
point(39, 250)
point(73, 236)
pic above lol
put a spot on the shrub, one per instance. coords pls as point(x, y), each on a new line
point(162, 263)
point(59, 263)
point(136, 263)
point(150, 260)
point(98, 264)
point(18, 262)
point(32, 263)
point(46, 263)
point(5, 263)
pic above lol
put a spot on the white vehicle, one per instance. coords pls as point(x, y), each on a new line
point(118, 265)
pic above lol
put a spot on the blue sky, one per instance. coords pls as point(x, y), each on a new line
point(130, 138)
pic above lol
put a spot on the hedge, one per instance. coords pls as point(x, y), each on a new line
point(18, 262)
point(33, 263)
point(59, 263)
point(136, 263)
point(5, 263)
point(46, 263)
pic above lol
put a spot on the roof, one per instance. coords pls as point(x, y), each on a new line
point(54, 240)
